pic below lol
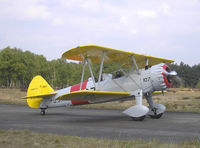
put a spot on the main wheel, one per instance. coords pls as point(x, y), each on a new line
point(138, 118)
point(156, 116)
point(42, 112)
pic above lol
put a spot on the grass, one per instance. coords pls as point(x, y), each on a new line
point(28, 139)
point(12, 96)
point(186, 100)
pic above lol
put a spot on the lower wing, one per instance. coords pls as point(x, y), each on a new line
point(93, 96)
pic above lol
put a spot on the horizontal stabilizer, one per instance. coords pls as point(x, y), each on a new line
point(40, 95)
point(93, 96)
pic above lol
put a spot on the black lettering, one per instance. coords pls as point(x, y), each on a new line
point(146, 79)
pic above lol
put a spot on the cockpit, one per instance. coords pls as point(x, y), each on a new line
point(117, 74)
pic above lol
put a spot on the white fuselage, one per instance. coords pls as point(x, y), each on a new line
point(147, 80)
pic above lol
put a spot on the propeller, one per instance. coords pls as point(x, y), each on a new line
point(173, 75)
point(170, 73)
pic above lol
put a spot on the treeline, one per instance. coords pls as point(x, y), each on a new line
point(189, 75)
point(17, 68)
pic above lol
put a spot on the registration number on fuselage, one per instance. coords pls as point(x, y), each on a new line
point(147, 79)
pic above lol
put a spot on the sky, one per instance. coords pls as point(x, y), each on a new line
point(163, 28)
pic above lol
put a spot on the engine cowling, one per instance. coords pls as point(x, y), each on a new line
point(160, 77)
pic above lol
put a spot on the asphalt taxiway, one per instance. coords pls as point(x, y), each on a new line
point(173, 127)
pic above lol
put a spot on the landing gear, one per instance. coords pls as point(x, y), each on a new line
point(138, 118)
point(138, 111)
point(155, 110)
point(156, 116)
point(42, 112)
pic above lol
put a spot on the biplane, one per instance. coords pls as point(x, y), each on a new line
point(145, 76)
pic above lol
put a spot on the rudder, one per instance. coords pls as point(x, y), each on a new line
point(37, 87)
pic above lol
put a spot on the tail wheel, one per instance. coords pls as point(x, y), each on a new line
point(138, 118)
point(156, 116)
point(42, 112)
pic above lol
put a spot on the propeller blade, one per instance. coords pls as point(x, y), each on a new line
point(172, 73)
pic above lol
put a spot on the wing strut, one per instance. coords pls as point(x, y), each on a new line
point(147, 64)
point(83, 72)
point(91, 73)
point(101, 67)
point(134, 62)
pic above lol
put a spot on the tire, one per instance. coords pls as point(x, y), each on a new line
point(42, 112)
point(138, 118)
point(156, 116)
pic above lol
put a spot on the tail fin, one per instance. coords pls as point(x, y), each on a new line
point(38, 88)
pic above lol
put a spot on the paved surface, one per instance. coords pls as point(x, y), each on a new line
point(173, 127)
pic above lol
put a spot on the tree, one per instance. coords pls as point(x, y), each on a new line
point(17, 68)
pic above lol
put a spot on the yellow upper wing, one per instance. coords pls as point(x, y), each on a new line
point(93, 96)
point(94, 53)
